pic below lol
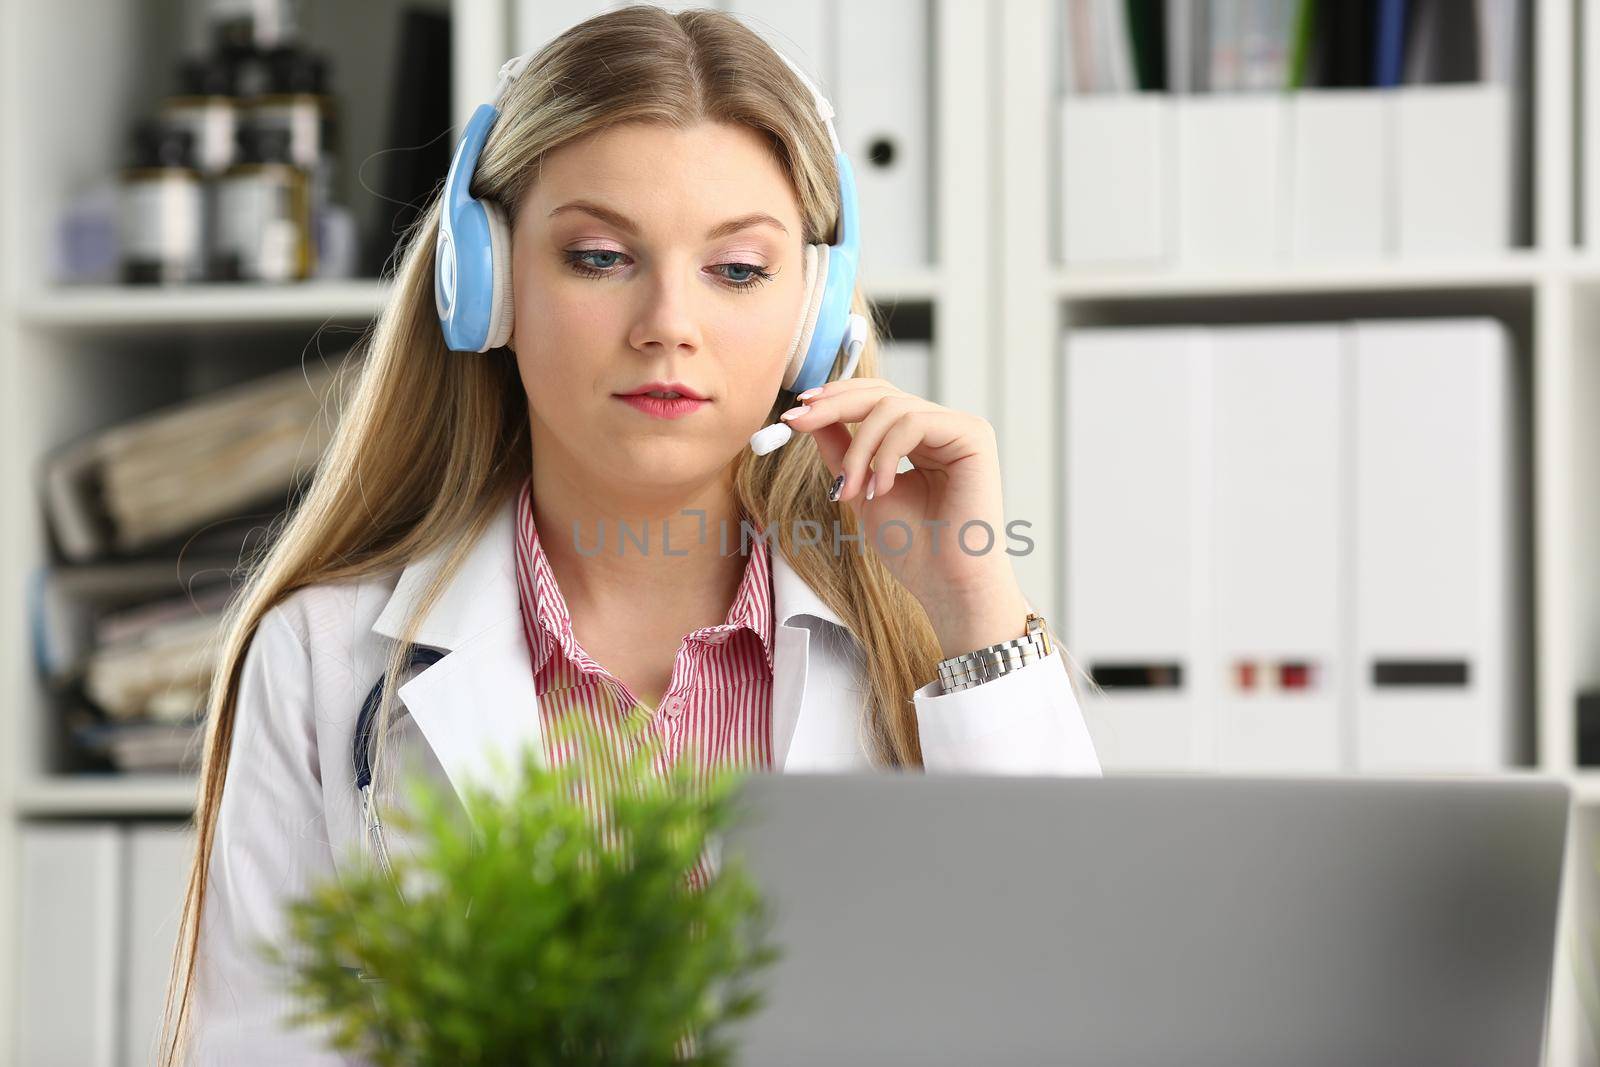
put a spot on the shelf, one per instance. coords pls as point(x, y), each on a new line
point(902, 286)
point(1584, 270)
point(116, 307)
point(1586, 786)
point(1513, 271)
point(107, 795)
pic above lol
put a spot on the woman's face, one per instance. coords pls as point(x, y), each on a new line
point(647, 254)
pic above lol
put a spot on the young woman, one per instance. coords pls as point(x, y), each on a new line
point(662, 177)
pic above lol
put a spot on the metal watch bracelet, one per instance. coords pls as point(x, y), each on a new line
point(986, 664)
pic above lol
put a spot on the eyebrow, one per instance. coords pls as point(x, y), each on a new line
point(627, 225)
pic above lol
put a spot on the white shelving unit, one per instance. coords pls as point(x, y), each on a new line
point(81, 358)
point(1549, 293)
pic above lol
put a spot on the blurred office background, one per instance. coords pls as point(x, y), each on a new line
point(1283, 310)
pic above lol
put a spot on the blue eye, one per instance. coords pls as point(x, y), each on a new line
point(577, 258)
point(753, 276)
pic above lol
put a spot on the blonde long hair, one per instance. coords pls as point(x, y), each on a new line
point(430, 443)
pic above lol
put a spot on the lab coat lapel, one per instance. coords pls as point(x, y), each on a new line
point(795, 662)
point(476, 706)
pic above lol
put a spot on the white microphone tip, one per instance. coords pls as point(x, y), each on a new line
point(770, 438)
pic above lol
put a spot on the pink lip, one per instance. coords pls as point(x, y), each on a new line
point(660, 408)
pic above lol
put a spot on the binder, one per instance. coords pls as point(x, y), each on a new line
point(1294, 548)
point(1452, 169)
point(1436, 619)
point(1589, 135)
point(796, 28)
point(1277, 580)
point(909, 365)
point(535, 23)
point(1230, 178)
point(1340, 175)
point(884, 88)
point(1097, 47)
point(1137, 406)
point(70, 891)
point(158, 869)
point(669, 5)
point(1389, 57)
point(1116, 179)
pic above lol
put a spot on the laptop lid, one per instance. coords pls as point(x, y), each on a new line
point(1149, 919)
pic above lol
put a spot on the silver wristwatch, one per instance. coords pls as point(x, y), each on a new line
point(986, 664)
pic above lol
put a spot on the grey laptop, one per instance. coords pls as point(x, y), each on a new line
point(1153, 919)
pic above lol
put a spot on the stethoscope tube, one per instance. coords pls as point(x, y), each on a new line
point(361, 754)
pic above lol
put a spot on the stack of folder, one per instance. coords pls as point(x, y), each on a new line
point(1237, 132)
point(99, 906)
point(153, 517)
point(138, 484)
point(1298, 547)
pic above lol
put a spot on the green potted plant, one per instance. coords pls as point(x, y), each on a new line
point(562, 923)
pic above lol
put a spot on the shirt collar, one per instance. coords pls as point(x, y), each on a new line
point(483, 592)
point(552, 622)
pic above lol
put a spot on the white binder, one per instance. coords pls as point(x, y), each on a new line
point(1116, 181)
point(1314, 527)
point(1230, 178)
point(909, 365)
point(67, 1008)
point(1589, 134)
point(1452, 169)
point(158, 869)
point(1339, 183)
point(1434, 546)
point(796, 28)
point(1137, 405)
point(1277, 583)
point(883, 93)
point(535, 23)
point(668, 5)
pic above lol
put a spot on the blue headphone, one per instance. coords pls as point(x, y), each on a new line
point(472, 258)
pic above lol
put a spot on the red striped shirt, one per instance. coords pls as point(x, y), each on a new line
point(719, 699)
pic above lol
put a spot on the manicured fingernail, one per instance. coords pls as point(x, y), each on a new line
point(809, 394)
point(793, 413)
point(872, 487)
point(838, 484)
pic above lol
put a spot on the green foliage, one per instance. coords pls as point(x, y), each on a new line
point(561, 925)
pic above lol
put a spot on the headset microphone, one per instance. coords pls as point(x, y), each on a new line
point(771, 438)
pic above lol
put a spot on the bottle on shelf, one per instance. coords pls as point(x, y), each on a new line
point(258, 25)
point(161, 230)
point(295, 98)
point(264, 212)
point(207, 104)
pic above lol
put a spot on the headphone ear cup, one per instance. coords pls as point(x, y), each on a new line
point(808, 275)
point(500, 308)
point(816, 278)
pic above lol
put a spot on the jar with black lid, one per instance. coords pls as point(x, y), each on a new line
point(264, 212)
point(296, 98)
point(245, 25)
point(207, 104)
point(161, 223)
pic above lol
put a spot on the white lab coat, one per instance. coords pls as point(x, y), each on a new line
point(290, 814)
